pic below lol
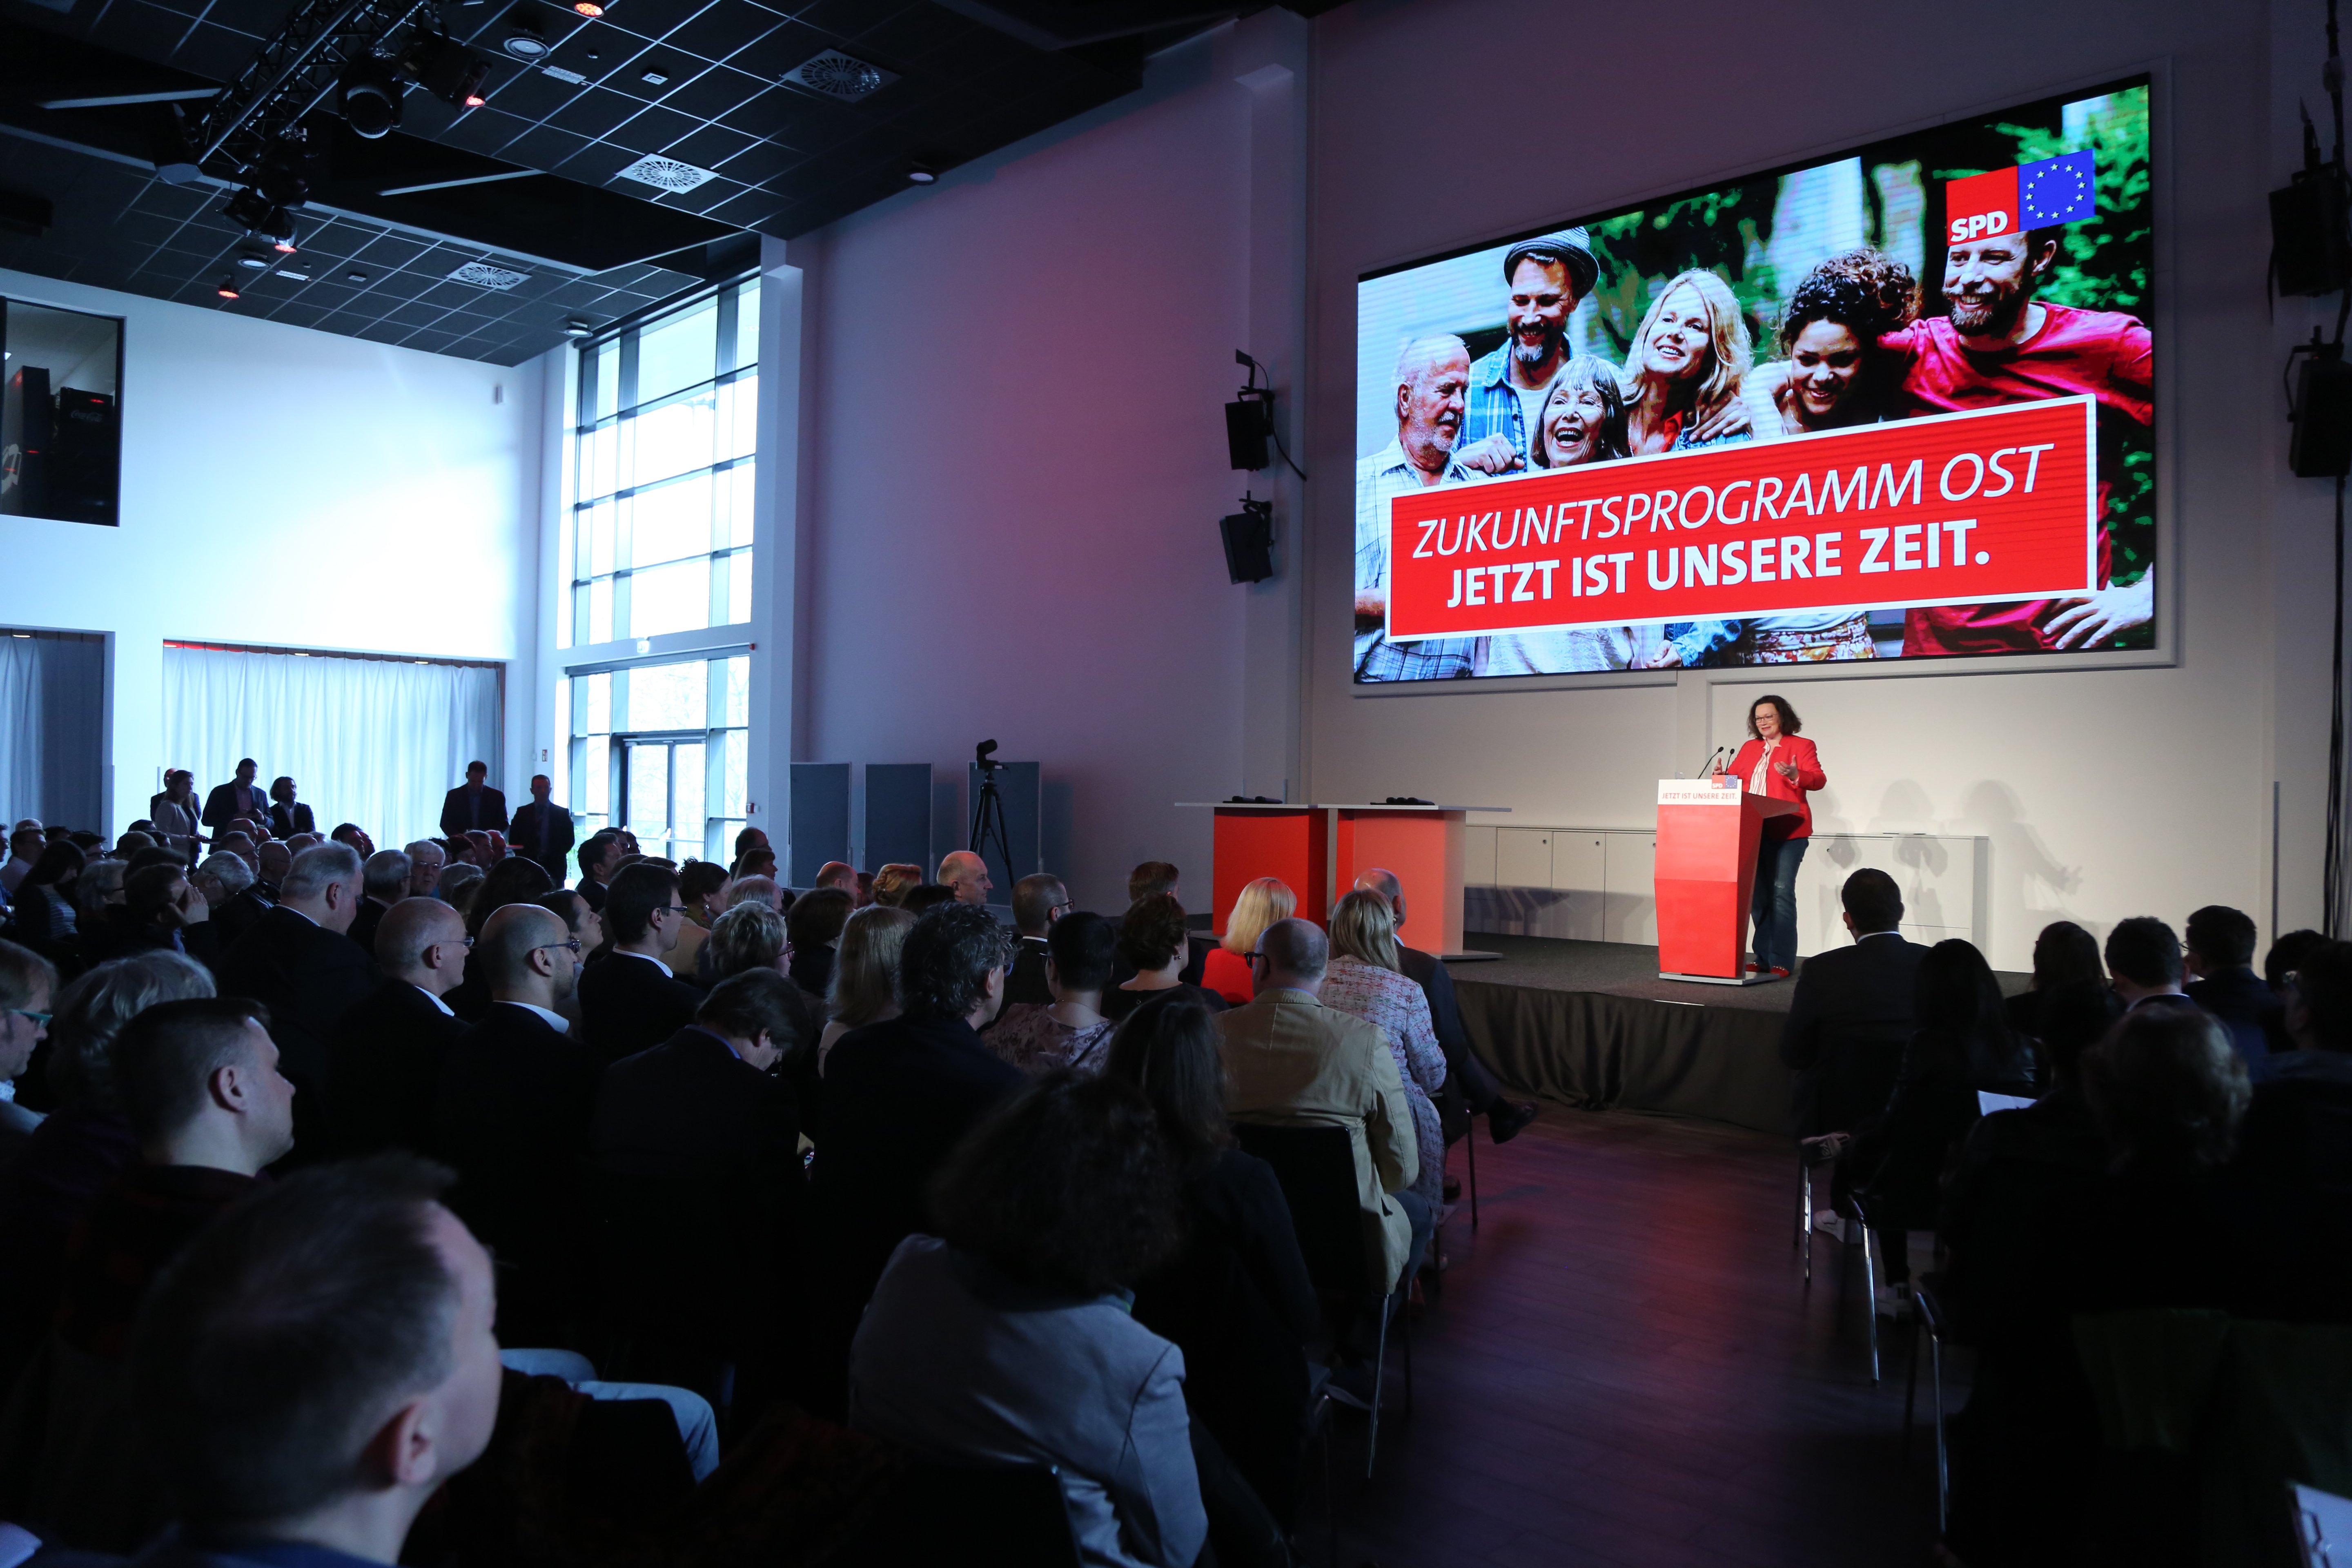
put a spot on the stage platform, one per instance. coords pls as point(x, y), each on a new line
point(1591, 1024)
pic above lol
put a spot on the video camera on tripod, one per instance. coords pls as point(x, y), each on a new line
point(984, 756)
point(988, 810)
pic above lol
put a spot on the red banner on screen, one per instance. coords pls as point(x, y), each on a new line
point(1961, 509)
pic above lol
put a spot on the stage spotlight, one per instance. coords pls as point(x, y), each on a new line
point(588, 8)
point(227, 290)
point(526, 36)
point(283, 179)
point(248, 209)
point(446, 68)
point(369, 97)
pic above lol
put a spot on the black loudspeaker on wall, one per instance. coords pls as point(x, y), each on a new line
point(1249, 542)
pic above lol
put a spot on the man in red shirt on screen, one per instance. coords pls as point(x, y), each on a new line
point(2000, 345)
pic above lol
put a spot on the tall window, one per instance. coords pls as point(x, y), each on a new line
point(659, 531)
point(660, 749)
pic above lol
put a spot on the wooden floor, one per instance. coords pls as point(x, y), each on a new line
point(1626, 1370)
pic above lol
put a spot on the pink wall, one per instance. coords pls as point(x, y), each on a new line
point(1017, 458)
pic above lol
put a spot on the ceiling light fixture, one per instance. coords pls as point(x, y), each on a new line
point(653, 77)
point(227, 290)
point(252, 259)
point(355, 276)
point(578, 328)
point(526, 35)
point(588, 8)
point(921, 174)
point(369, 96)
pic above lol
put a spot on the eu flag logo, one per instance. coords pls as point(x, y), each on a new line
point(2057, 190)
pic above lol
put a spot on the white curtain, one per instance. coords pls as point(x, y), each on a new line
point(52, 704)
point(375, 742)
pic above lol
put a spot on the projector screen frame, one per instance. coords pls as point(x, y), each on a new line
point(2170, 598)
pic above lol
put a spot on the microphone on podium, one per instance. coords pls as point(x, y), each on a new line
point(1705, 767)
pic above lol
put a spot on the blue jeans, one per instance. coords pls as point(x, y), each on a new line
point(698, 1426)
point(1774, 908)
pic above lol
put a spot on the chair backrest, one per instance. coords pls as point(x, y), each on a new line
point(1316, 1168)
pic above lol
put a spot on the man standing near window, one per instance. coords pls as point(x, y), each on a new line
point(473, 804)
point(542, 830)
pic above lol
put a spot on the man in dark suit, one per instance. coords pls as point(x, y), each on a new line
point(543, 831)
point(384, 883)
point(696, 1146)
point(1853, 1014)
point(1466, 1077)
point(898, 1095)
point(511, 1116)
point(299, 961)
point(629, 1000)
point(2219, 960)
point(2146, 966)
point(238, 797)
point(388, 1052)
point(473, 804)
point(597, 858)
point(1037, 902)
point(2299, 1129)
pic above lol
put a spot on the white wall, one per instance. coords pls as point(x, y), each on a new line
point(289, 488)
point(2106, 793)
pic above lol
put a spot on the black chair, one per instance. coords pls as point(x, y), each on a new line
point(975, 1516)
point(1316, 1168)
point(1930, 1322)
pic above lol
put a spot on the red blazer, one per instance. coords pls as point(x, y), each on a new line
point(1793, 749)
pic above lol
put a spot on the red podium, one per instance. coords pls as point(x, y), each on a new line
point(1423, 845)
point(1708, 834)
point(1291, 842)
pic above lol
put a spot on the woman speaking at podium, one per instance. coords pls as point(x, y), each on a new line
point(1779, 763)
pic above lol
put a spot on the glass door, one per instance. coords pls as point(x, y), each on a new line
point(662, 794)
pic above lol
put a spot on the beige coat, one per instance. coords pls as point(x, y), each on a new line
point(1292, 1062)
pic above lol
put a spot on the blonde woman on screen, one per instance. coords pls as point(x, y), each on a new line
point(1685, 367)
point(1261, 904)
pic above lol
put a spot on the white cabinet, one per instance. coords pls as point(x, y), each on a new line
point(1523, 858)
point(1579, 882)
point(1629, 878)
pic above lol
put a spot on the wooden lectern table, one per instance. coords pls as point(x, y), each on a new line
point(1291, 842)
point(1423, 845)
point(1708, 830)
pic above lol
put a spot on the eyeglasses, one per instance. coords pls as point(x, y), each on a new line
point(1257, 956)
point(574, 944)
point(672, 909)
point(39, 1019)
point(454, 942)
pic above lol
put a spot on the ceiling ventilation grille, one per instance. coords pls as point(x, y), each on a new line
point(667, 174)
point(841, 76)
point(482, 275)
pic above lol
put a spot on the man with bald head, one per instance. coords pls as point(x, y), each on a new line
point(389, 1050)
point(513, 1115)
point(1469, 1085)
point(966, 874)
point(1432, 391)
point(1292, 1062)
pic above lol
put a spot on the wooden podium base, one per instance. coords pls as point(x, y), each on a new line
point(1722, 979)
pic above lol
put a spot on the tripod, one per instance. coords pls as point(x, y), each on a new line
point(988, 819)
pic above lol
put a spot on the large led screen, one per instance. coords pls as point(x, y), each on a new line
point(1893, 404)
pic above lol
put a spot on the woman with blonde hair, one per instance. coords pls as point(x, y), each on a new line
point(1366, 979)
point(1686, 365)
point(895, 881)
point(1261, 904)
point(864, 987)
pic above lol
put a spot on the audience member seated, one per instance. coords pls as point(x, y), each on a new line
point(2065, 954)
point(98, 888)
point(865, 973)
point(1149, 879)
point(2299, 1128)
point(132, 842)
point(2144, 965)
point(426, 861)
point(1849, 1022)
point(1037, 902)
point(756, 863)
point(356, 837)
point(384, 883)
point(459, 882)
point(161, 910)
point(755, 890)
point(27, 984)
point(1471, 1089)
point(82, 1143)
point(696, 1147)
point(813, 928)
point(1235, 1297)
point(702, 887)
point(1153, 937)
point(388, 1052)
point(838, 874)
point(927, 896)
point(1226, 970)
point(200, 1088)
point(1962, 1047)
point(314, 1368)
point(512, 1114)
point(24, 847)
point(1006, 1338)
point(2218, 954)
point(1363, 979)
point(272, 861)
point(513, 880)
point(1290, 1061)
point(898, 1095)
point(630, 1000)
point(221, 877)
point(300, 963)
point(1070, 1030)
point(892, 881)
point(599, 859)
point(965, 875)
point(44, 902)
